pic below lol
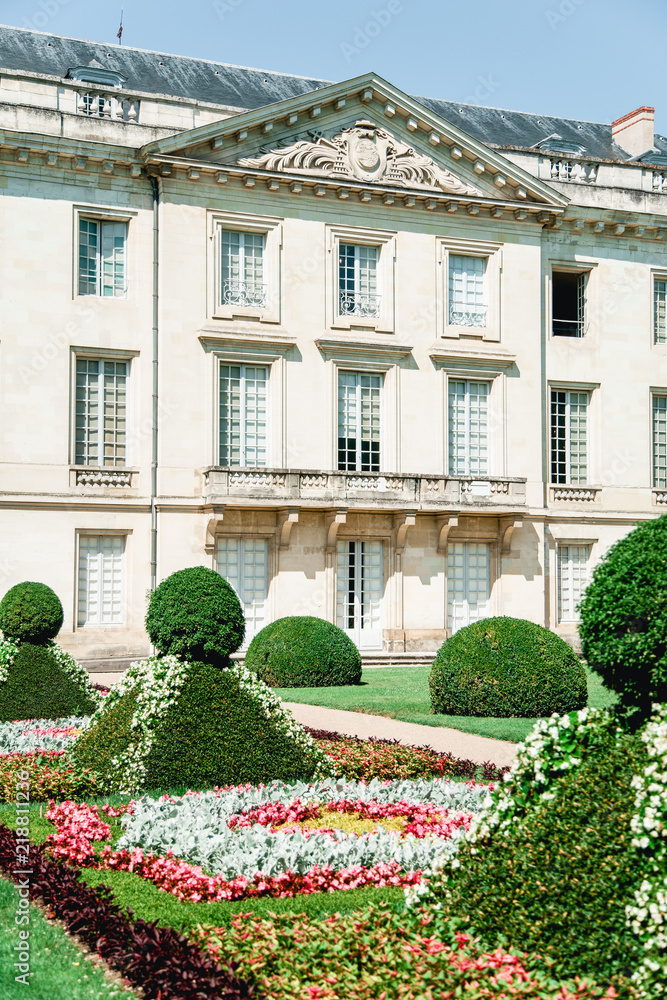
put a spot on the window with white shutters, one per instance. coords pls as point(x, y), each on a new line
point(569, 447)
point(357, 280)
point(468, 427)
point(242, 268)
point(468, 584)
point(102, 253)
point(359, 421)
point(359, 590)
point(100, 432)
point(101, 599)
point(659, 311)
point(660, 442)
point(243, 415)
point(572, 580)
point(244, 563)
point(467, 290)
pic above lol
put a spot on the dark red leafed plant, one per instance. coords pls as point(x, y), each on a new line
point(157, 959)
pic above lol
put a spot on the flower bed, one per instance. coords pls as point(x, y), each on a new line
point(245, 842)
point(378, 954)
point(375, 758)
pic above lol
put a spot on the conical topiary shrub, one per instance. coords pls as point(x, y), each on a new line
point(38, 679)
point(174, 720)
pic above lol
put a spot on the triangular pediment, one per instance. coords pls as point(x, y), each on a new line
point(363, 131)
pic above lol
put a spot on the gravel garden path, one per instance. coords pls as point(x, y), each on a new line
point(465, 745)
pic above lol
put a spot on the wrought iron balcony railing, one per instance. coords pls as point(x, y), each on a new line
point(359, 304)
point(243, 293)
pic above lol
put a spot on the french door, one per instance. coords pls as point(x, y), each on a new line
point(359, 590)
point(468, 584)
point(244, 563)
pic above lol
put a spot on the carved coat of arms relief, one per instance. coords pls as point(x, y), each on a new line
point(364, 153)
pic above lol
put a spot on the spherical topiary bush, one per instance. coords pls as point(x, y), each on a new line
point(304, 652)
point(623, 625)
point(31, 612)
point(506, 667)
point(195, 615)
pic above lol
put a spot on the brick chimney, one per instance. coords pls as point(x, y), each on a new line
point(634, 132)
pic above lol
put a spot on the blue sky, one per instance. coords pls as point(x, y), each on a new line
point(588, 59)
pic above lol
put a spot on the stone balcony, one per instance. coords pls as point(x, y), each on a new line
point(363, 490)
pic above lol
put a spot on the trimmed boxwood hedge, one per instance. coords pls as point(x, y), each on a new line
point(37, 687)
point(301, 651)
point(195, 615)
point(506, 667)
point(557, 882)
point(214, 734)
point(31, 612)
point(623, 625)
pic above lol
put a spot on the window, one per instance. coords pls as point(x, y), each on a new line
point(467, 290)
point(468, 427)
point(572, 579)
point(100, 432)
point(102, 269)
point(359, 588)
point(101, 580)
point(568, 292)
point(242, 263)
point(243, 412)
point(468, 584)
point(359, 421)
point(244, 562)
point(660, 442)
point(357, 280)
point(659, 319)
point(569, 463)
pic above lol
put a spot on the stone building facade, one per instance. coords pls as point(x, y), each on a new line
point(398, 363)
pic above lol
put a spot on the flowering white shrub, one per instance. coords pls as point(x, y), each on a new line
point(73, 669)
point(159, 680)
point(648, 915)
point(552, 748)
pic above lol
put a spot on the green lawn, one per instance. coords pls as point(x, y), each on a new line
point(57, 967)
point(403, 693)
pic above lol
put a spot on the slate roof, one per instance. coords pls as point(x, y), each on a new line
point(242, 88)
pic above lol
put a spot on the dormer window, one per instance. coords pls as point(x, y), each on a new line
point(96, 73)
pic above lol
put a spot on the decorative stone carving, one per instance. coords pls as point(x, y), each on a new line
point(364, 153)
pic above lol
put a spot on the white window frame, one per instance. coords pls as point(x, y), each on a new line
point(369, 638)
point(122, 621)
point(491, 253)
point(568, 430)
point(655, 483)
point(359, 375)
point(460, 368)
point(468, 457)
point(101, 462)
point(243, 445)
point(102, 355)
point(385, 243)
point(561, 546)
point(240, 539)
point(584, 270)
point(658, 337)
point(271, 356)
point(101, 215)
point(272, 231)
point(466, 543)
